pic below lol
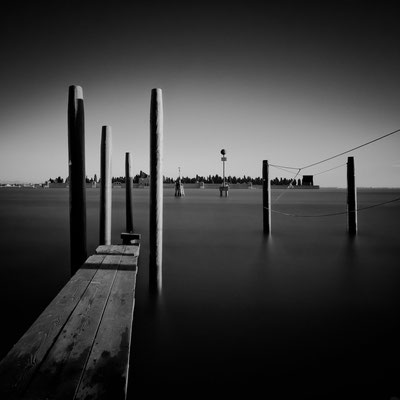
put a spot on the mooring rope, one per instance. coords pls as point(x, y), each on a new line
point(336, 213)
point(299, 169)
point(297, 173)
point(339, 154)
point(283, 169)
point(330, 169)
point(290, 183)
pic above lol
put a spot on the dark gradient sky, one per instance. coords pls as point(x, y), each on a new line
point(288, 82)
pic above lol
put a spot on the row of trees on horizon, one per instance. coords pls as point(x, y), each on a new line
point(185, 179)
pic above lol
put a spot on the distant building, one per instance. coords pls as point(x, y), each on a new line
point(308, 180)
point(144, 179)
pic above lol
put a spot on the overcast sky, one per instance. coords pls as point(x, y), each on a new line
point(283, 81)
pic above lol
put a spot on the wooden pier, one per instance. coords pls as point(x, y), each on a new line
point(79, 347)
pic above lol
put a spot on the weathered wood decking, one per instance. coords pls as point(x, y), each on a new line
point(79, 346)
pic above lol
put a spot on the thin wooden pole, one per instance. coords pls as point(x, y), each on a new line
point(128, 192)
point(351, 198)
point(156, 190)
point(266, 198)
point(223, 172)
point(105, 186)
point(77, 177)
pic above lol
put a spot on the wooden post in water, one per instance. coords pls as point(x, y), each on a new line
point(156, 190)
point(77, 177)
point(105, 186)
point(266, 198)
point(128, 192)
point(351, 198)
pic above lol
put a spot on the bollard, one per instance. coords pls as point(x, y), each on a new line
point(351, 198)
point(77, 177)
point(266, 198)
point(156, 190)
point(128, 192)
point(105, 186)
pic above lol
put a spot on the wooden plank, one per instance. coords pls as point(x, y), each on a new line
point(118, 249)
point(19, 365)
point(106, 373)
point(132, 250)
point(128, 263)
point(60, 372)
point(112, 261)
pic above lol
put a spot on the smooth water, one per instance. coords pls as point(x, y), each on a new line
point(306, 313)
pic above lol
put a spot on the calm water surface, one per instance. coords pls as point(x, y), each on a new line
point(307, 313)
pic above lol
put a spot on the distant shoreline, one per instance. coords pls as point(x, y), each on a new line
point(207, 186)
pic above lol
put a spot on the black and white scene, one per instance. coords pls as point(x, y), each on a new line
point(199, 200)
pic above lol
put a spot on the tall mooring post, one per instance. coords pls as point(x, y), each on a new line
point(105, 186)
point(128, 192)
point(77, 177)
point(156, 190)
point(351, 198)
point(223, 189)
point(266, 198)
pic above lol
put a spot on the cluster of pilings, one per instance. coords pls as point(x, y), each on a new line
point(351, 198)
point(77, 185)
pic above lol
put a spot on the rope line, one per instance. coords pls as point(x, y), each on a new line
point(282, 166)
point(286, 168)
point(290, 184)
point(331, 169)
point(308, 216)
point(296, 173)
point(333, 214)
point(283, 169)
point(340, 154)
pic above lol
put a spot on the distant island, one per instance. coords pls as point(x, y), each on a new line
point(143, 179)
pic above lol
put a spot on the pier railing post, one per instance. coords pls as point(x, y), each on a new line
point(266, 198)
point(156, 190)
point(128, 192)
point(351, 198)
point(77, 177)
point(105, 186)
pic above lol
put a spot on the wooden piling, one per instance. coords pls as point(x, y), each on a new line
point(156, 190)
point(128, 192)
point(266, 198)
point(77, 177)
point(351, 198)
point(105, 186)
